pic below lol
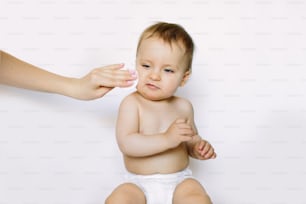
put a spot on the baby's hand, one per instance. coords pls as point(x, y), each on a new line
point(179, 131)
point(203, 150)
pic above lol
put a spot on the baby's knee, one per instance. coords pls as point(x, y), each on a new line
point(190, 191)
point(126, 194)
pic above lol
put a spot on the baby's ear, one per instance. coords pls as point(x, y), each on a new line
point(185, 77)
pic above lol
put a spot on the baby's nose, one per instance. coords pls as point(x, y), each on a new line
point(155, 75)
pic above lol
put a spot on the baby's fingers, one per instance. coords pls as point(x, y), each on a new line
point(201, 145)
point(210, 154)
point(205, 149)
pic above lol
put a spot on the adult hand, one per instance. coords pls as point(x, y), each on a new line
point(100, 81)
point(18, 73)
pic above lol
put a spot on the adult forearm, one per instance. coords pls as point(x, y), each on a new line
point(15, 72)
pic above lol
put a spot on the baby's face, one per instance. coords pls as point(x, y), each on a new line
point(161, 68)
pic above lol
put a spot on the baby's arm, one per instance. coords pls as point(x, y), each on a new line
point(134, 143)
point(197, 147)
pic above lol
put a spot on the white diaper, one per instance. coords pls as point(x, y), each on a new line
point(158, 188)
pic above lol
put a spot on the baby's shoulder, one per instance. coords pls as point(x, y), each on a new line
point(183, 103)
point(130, 100)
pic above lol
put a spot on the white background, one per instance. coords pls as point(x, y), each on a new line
point(248, 90)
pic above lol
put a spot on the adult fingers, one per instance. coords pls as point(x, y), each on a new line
point(110, 78)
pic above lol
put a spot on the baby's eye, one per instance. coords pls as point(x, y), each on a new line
point(169, 70)
point(145, 66)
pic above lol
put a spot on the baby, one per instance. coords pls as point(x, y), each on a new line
point(155, 129)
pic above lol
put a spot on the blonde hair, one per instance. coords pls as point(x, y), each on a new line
point(170, 33)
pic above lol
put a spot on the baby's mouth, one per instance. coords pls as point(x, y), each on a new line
point(152, 86)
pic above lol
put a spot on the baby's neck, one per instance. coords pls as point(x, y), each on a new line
point(156, 101)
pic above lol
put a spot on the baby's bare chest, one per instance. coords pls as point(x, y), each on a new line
point(157, 121)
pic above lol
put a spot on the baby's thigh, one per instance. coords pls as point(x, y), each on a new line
point(126, 193)
point(190, 191)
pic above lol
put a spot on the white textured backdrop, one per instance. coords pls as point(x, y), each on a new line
point(248, 89)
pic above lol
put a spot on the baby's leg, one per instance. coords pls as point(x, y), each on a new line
point(190, 191)
point(127, 193)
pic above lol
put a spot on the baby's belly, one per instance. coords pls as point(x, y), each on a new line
point(164, 163)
